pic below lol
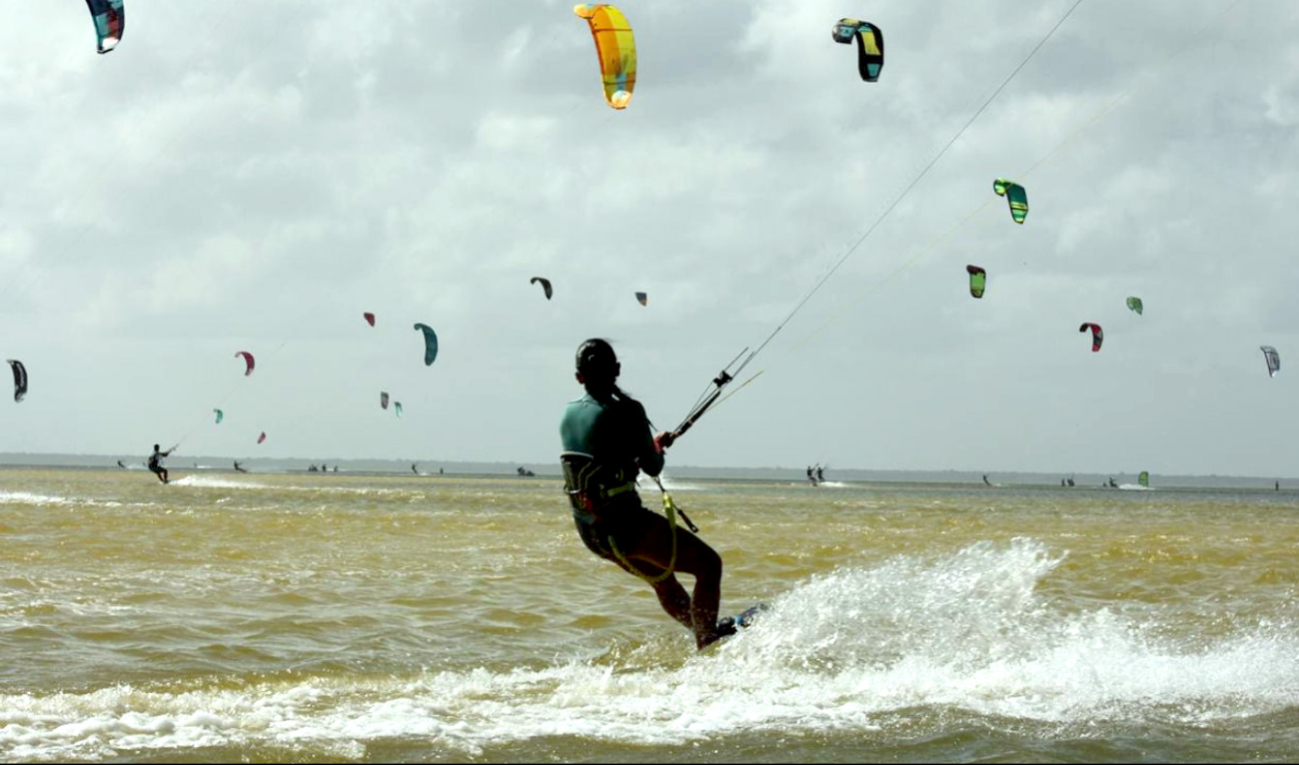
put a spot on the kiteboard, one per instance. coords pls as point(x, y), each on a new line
point(743, 620)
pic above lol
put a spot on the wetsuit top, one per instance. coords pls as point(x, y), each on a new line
point(605, 445)
point(155, 460)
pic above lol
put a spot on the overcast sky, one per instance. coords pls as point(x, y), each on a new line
point(255, 174)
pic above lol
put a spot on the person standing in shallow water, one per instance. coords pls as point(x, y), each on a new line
point(606, 443)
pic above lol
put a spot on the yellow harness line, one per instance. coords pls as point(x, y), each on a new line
point(670, 510)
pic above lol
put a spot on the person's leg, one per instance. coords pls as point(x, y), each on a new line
point(653, 544)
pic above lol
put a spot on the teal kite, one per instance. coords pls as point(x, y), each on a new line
point(1134, 304)
point(1015, 195)
point(430, 344)
point(220, 415)
point(110, 21)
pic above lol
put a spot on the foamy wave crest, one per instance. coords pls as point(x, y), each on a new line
point(213, 482)
point(27, 498)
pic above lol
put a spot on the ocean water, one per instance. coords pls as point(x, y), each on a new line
point(323, 617)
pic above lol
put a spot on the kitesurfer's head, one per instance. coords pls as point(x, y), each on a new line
point(597, 364)
point(155, 447)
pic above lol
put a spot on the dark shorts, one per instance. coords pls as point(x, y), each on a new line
point(626, 525)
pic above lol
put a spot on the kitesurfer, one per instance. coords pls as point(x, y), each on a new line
point(239, 467)
point(119, 464)
point(820, 474)
point(810, 476)
point(606, 441)
point(155, 463)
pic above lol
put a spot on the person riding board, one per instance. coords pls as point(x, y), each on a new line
point(606, 443)
point(155, 462)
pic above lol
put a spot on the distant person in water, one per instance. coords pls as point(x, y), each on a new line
point(155, 463)
point(412, 469)
point(985, 479)
point(119, 464)
point(239, 467)
point(820, 474)
point(811, 476)
point(606, 443)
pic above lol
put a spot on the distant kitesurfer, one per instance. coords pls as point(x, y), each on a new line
point(155, 463)
point(1112, 484)
point(119, 464)
point(412, 469)
point(239, 467)
point(606, 441)
point(820, 474)
point(985, 479)
point(810, 476)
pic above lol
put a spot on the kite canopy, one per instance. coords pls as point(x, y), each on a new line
point(1097, 335)
point(1015, 195)
point(870, 45)
point(369, 318)
point(20, 379)
point(978, 280)
point(1144, 479)
point(643, 298)
point(616, 49)
point(396, 405)
point(1134, 304)
point(262, 437)
point(1273, 359)
point(430, 344)
point(110, 20)
point(545, 285)
point(248, 360)
point(220, 415)
point(383, 399)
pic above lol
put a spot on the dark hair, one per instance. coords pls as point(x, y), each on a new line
point(596, 361)
point(598, 365)
point(155, 447)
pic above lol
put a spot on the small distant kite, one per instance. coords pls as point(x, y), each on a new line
point(383, 399)
point(110, 21)
point(1097, 335)
point(643, 298)
point(616, 47)
point(20, 379)
point(1273, 359)
point(430, 344)
point(978, 280)
point(262, 437)
point(1134, 304)
point(369, 318)
point(220, 415)
point(1015, 196)
point(248, 360)
point(870, 45)
point(1144, 478)
point(545, 285)
point(396, 406)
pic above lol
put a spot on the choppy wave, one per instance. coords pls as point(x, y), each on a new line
point(839, 652)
